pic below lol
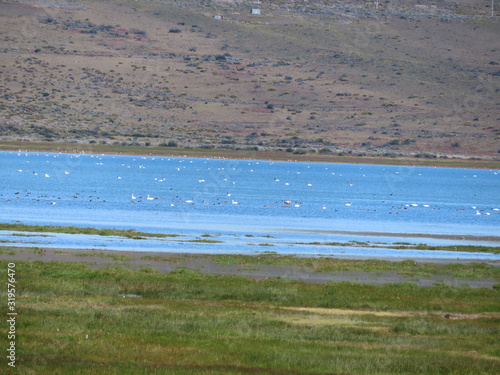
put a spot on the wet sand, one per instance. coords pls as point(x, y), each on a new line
point(205, 264)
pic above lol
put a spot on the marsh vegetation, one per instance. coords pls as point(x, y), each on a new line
point(74, 319)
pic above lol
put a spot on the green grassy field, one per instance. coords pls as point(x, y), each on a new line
point(78, 320)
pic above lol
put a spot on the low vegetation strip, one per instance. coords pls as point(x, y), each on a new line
point(129, 233)
point(410, 246)
point(77, 319)
point(407, 268)
point(118, 257)
point(309, 270)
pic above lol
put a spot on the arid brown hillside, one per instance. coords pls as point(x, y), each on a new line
point(374, 78)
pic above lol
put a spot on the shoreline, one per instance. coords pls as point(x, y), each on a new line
point(76, 148)
point(492, 247)
point(460, 237)
point(43, 230)
point(248, 267)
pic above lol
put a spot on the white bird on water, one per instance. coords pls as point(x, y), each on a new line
point(133, 196)
point(149, 198)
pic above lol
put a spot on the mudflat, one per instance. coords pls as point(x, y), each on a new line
point(259, 266)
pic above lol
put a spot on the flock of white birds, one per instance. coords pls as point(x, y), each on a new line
point(177, 200)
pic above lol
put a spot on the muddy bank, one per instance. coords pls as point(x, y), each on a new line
point(167, 262)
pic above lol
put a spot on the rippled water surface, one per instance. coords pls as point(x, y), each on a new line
point(249, 206)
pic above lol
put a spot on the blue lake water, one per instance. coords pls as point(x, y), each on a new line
point(250, 206)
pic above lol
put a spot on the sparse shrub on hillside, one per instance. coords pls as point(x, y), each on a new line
point(252, 136)
point(394, 142)
point(425, 156)
point(224, 57)
point(169, 144)
point(175, 31)
point(49, 20)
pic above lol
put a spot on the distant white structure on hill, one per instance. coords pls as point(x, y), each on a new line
point(255, 11)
